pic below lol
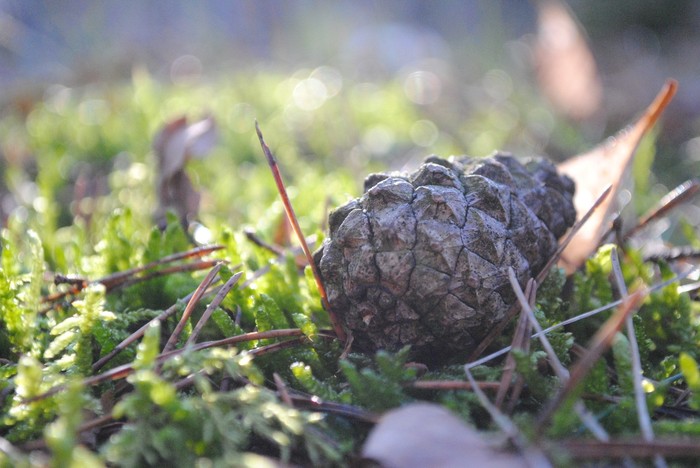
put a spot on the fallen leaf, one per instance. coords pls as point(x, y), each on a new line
point(175, 144)
point(599, 168)
point(425, 434)
point(566, 70)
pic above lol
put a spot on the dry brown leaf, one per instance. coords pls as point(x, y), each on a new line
point(566, 69)
point(426, 434)
point(599, 168)
point(174, 145)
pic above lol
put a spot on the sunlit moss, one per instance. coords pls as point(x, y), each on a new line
point(327, 133)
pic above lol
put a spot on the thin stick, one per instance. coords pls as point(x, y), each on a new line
point(282, 389)
point(194, 266)
point(501, 420)
point(125, 370)
point(561, 372)
point(688, 288)
point(673, 254)
point(289, 209)
point(572, 232)
point(187, 381)
point(266, 268)
point(675, 197)
point(39, 444)
point(514, 398)
point(119, 277)
point(314, 403)
point(213, 306)
point(127, 276)
point(198, 293)
point(600, 343)
point(138, 334)
point(521, 341)
point(255, 239)
point(280, 345)
point(554, 361)
point(452, 385)
point(280, 251)
point(590, 449)
point(637, 371)
point(259, 351)
point(95, 423)
point(579, 317)
point(533, 456)
point(280, 258)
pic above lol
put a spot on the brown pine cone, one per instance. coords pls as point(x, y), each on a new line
point(422, 259)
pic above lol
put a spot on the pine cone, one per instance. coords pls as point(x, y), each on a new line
point(422, 258)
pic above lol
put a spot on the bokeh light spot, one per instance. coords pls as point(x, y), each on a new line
point(309, 94)
point(201, 234)
point(378, 139)
point(424, 133)
point(57, 98)
point(297, 118)
point(330, 77)
point(498, 84)
point(423, 87)
point(692, 149)
point(185, 69)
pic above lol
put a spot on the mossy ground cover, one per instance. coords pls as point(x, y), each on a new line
point(79, 197)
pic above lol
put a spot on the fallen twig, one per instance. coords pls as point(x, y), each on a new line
point(223, 291)
point(129, 277)
point(289, 209)
point(521, 341)
point(600, 343)
point(639, 448)
point(452, 385)
point(125, 370)
point(681, 194)
point(559, 370)
point(637, 372)
point(533, 455)
point(579, 317)
point(194, 300)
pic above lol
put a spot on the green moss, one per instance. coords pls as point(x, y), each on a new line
point(223, 404)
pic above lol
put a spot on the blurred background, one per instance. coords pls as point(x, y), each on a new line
point(636, 44)
point(354, 85)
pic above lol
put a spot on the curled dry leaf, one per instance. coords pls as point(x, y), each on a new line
point(566, 69)
point(426, 434)
point(599, 168)
point(174, 145)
